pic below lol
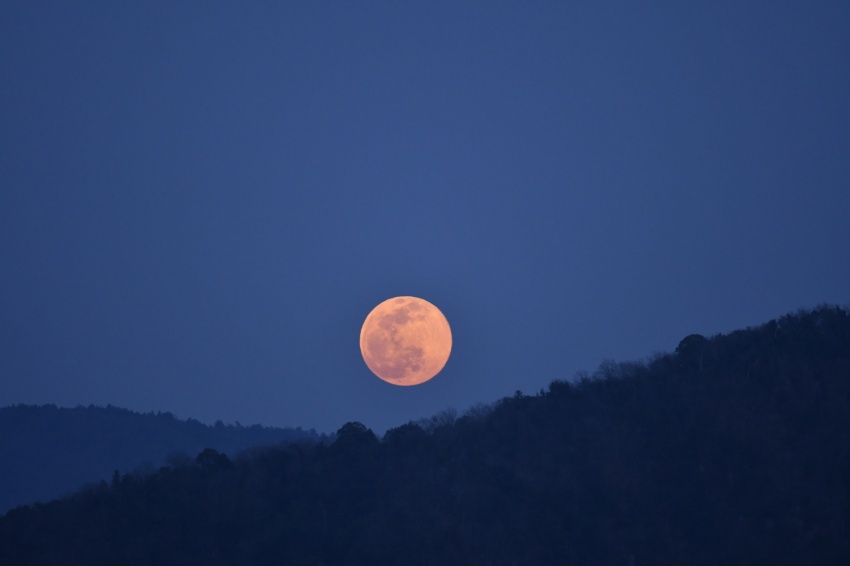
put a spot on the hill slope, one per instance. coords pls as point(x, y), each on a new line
point(733, 449)
point(47, 451)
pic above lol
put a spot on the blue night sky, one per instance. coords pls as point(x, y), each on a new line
point(200, 202)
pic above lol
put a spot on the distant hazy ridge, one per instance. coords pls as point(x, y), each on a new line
point(47, 452)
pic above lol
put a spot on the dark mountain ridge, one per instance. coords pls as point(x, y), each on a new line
point(49, 451)
point(734, 449)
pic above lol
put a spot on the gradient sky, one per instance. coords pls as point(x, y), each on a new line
point(200, 202)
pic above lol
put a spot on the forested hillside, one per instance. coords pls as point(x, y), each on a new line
point(734, 449)
point(48, 452)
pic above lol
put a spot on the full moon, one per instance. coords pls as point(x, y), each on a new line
point(405, 341)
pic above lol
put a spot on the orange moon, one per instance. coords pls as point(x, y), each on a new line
point(405, 341)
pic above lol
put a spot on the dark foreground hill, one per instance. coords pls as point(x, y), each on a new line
point(47, 452)
point(732, 450)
